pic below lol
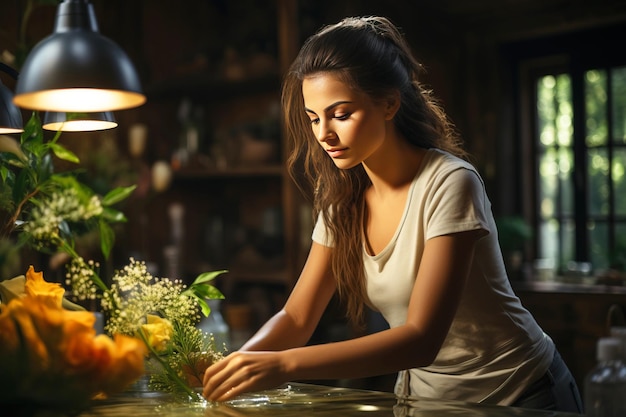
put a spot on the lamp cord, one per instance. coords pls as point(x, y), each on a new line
point(8, 70)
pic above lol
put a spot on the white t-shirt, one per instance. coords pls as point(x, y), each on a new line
point(494, 348)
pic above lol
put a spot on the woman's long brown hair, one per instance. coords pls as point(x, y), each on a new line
point(370, 55)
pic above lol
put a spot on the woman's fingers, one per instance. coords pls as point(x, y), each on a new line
point(214, 369)
point(216, 379)
point(242, 372)
point(227, 378)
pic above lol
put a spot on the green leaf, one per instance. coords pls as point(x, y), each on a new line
point(118, 194)
point(208, 276)
point(11, 146)
point(63, 153)
point(113, 216)
point(20, 186)
point(12, 159)
point(107, 238)
point(32, 140)
point(35, 201)
point(204, 306)
point(63, 180)
point(42, 170)
point(33, 133)
point(4, 173)
point(200, 291)
point(207, 291)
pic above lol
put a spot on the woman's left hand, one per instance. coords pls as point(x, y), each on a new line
point(242, 372)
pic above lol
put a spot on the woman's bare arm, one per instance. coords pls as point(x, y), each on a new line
point(294, 324)
point(434, 300)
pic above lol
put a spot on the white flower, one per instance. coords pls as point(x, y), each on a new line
point(63, 205)
point(135, 294)
point(80, 276)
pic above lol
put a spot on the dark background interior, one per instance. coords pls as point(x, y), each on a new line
point(194, 48)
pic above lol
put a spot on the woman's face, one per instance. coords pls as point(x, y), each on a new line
point(349, 125)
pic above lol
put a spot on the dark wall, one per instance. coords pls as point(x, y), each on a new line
point(468, 47)
point(459, 42)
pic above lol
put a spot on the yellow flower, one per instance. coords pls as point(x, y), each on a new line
point(158, 332)
point(50, 293)
point(52, 355)
point(10, 343)
point(8, 334)
point(29, 346)
point(127, 360)
point(112, 363)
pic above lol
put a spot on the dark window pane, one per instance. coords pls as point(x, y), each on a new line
point(596, 121)
point(598, 202)
point(546, 111)
point(598, 244)
point(580, 182)
point(568, 242)
point(619, 181)
point(618, 79)
point(566, 172)
point(618, 253)
point(548, 242)
point(548, 183)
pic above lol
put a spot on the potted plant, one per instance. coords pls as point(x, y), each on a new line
point(513, 233)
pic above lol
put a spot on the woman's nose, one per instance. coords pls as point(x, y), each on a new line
point(324, 132)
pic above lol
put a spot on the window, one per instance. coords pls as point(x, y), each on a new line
point(576, 106)
point(581, 175)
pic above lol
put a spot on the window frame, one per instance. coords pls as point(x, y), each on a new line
point(573, 53)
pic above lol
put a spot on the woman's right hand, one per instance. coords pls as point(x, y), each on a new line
point(242, 372)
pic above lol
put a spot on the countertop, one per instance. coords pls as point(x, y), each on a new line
point(297, 399)
point(567, 287)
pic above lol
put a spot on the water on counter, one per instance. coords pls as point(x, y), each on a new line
point(302, 400)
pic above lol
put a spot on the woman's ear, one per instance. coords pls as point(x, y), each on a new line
point(392, 105)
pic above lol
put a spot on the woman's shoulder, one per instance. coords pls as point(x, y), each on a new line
point(444, 172)
point(438, 161)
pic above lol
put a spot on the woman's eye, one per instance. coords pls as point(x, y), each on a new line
point(342, 116)
point(315, 121)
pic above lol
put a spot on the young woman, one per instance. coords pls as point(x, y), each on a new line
point(403, 226)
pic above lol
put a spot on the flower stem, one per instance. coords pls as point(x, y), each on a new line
point(10, 224)
point(64, 246)
point(171, 372)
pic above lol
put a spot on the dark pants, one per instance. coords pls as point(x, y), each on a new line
point(556, 390)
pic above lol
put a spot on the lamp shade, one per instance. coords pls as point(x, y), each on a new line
point(10, 116)
point(78, 122)
point(76, 69)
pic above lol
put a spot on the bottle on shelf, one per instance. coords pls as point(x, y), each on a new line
point(239, 318)
point(172, 253)
point(191, 120)
point(620, 333)
point(605, 384)
point(215, 326)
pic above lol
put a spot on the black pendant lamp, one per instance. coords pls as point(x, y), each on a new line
point(78, 122)
point(76, 69)
point(10, 116)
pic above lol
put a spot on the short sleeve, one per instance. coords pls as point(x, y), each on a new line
point(457, 203)
point(320, 233)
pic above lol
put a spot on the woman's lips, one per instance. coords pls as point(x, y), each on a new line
point(336, 152)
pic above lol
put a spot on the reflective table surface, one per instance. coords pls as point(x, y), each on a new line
point(297, 399)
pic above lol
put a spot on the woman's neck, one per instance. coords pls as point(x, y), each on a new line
point(395, 167)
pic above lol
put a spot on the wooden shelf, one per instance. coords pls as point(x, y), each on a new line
point(235, 172)
point(231, 207)
point(271, 277)
point(204, 87)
